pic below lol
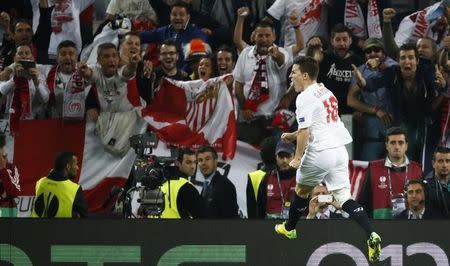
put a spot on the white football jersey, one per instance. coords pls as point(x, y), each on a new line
point(317, 109)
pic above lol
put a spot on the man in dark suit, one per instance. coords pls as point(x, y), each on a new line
point(417, 207)
point(219, 194)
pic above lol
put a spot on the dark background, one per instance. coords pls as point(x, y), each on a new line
point(153, 238)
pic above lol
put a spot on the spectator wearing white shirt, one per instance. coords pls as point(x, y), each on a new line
point(28, 82)
point(260, 83)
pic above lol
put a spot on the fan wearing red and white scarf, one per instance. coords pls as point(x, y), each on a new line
point(23, 90)
point(63, 81)
point(74, 86)
point(22, 87)
point(259, 91)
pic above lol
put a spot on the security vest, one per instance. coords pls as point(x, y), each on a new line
point(171, 210)
point(56, 198)
point(255, 178)
point(379, 181)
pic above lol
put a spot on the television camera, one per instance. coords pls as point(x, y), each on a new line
point(149, 172)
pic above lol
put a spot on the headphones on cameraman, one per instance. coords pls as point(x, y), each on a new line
point(421, 182)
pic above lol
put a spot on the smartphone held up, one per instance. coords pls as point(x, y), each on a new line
point(24, 72)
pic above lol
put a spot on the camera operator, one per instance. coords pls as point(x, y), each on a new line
point(185, 201)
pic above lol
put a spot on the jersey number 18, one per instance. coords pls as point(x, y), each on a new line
point(331, 105)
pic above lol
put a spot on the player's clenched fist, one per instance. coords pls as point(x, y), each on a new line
point(288, 137)
point(295, 163)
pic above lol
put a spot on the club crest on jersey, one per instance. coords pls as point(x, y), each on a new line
point(301, 119)
point(382, 184)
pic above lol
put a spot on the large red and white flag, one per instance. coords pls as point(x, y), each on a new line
point(194, 113)
point(34, 148)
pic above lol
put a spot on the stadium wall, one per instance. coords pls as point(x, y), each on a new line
point(215, 242)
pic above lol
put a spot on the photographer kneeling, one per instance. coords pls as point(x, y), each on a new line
point(185, 201)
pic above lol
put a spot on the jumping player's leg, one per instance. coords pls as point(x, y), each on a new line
point(338, 184)
point(308, 176)
point(298, 206)
point(357, 213)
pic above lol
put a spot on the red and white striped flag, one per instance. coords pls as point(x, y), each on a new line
point(357, 171)
point(194, 113)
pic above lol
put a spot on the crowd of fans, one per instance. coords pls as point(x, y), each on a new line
point(394, 95)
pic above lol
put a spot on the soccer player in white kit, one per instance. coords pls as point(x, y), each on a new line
point(321, 155)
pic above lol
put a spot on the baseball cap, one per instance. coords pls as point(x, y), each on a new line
point(373, 42)
point(285, 147)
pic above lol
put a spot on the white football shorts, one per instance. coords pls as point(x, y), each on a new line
point(329, 166)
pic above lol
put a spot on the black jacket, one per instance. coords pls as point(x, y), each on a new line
point(189, 202)
point(438, 196)
point(220, 198)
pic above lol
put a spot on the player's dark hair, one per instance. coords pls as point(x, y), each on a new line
point(307, 64)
